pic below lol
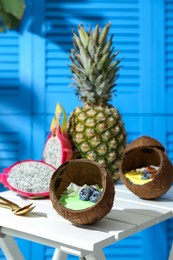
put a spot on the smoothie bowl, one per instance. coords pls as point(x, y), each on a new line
point(146, 169)
point(82, 191)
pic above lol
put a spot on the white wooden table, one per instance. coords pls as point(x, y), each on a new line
point(128, 216)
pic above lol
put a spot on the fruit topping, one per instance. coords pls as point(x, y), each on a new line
point(95, 196)
point(149, 173)
point(90, 193)
point(151, 169)
point(146, 175)
point(85, 193)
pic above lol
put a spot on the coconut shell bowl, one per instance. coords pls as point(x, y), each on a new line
point(147, 153)
point(81, 172)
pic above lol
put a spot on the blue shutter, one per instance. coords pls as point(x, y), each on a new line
point(169, 90)
point(15, 107)
point(15, 125)
point(13, 87)
point(169, 74)
point(169, 54)
point(9, 66)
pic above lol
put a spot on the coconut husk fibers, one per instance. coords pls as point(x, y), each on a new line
point(145, 156)
point(144, 141)
point(80, 172)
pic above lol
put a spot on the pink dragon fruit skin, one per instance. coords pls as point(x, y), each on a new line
point(67, 151)
point(8, 172)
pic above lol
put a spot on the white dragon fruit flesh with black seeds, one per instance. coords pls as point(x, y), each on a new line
point(28, 178)
point(52, 153)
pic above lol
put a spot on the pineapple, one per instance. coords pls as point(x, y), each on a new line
point(96, 130)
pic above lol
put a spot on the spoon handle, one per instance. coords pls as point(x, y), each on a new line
point(5, 205)
point(10, 203)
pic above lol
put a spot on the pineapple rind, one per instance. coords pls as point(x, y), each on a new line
point(103, 141)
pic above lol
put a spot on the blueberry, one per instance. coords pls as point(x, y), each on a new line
point(95, 196)
point(146, 176)
point(145, 172)
point(93, 189)
point(85, 193)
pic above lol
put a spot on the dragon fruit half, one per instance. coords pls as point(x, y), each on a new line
point(58, 149)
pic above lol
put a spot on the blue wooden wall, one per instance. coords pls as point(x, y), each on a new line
point(34, 76)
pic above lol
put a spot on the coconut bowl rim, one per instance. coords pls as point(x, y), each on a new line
point(159, 185)
point(152, 143)
point(56, 176)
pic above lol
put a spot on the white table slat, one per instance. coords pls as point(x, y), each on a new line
point(142, 221)
point(119, 186)
point(118, 229)
point(156, 204)
point(161, 214)
point(168, 196)
point(66, 233)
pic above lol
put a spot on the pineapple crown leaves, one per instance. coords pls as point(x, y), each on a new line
point(94, 65)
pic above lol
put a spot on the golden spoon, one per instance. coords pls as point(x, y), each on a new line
point(17, 210)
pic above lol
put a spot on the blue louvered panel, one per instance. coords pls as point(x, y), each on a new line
point(9, 148)
point(169, 145)
point(9, 70)
point(129, 248)
point(40, 128)
point(14, 77)
point(169, 53)
point(9, 62)
point(61, 18)
point(132, 126)
point(2, 256)
point(137, 125)
point(15, 132)
point(48, 252)
point(169, 233)
point(169, 149)
point(154, 238)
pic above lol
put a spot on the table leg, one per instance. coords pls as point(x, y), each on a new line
point(95, 256)
point(171, 253)
point(59, 255)
point(9, 248)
